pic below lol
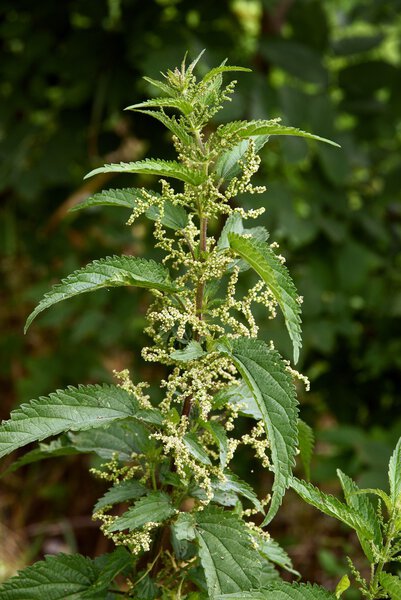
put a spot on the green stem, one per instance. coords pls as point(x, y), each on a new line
point(374, 585)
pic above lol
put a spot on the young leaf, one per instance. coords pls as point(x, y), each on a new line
point(121, 492)
point(306, 442)
point(163, 168)
point(283, 591)
point(394, 476)
point(170, 123)
point(124, 198)
point(229, 561)
point(392, 585)
point(332, 507)
point(247, 129)
point(266, 263)
point(156, 507)
point(223, 69)
point(362, 505)
point(263, 370)
point(219, 435)
point(180, 104)
point(342, 586)
point(72, 409)
point(108, 272)
point(60, 577)
point(191, 352)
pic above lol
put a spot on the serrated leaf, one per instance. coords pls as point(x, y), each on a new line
point(219, 435)
point(277, 278)
point(60, 577)
point(162, 168)
point(72, 409)
point(239, 397)
point(180, 104)
point(283, 591)
point(161, 85)
point(380, 493)
point(392, 585)
point(234, 224)
point(110, 565)
point(228, 165)
point(121, 492)
point(170, 123)
point(232, 483)
point(246, 129)
point(264, 372)
point(192, 351)
point(342, 586)
point(332, 507)
point(271, 550)
point(306, 442)
point(229, 561)
point(223, 69)
point(56, 448)
point(124, 198)
point(115, 271)
point(394, 476)
point(195, 449)
point(362, 505)
point(156, 507)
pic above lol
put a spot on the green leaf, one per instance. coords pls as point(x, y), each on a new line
point(184, 527)
point(239, 397)
point(229, 561)
point(108, 272)
point(180, 104)
point(60, 577)
point(277, 278)
point(228, 164)
point(59, 447)
point(232, 483)
point(380, 493)
point(223, 69)
point(342, 586)
point(219, 434)
point(306, 442)
point(124, 198)
point(394, 476)
point(362, 505)
point(332, 507)
point(72, 409)
point(174, 217)
point(283, 591)
point(247, 129)
point(161, 85)
point(271, 550)
point(392, 585)
point(110, 565)
point(170, 123)
point(156, 507)
point(264, 372)
point(234, 224)
point(163, 168)
point(121, 492)
point(195, 449)
point(192, 351)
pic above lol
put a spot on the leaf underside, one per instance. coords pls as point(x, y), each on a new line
point(115, 271)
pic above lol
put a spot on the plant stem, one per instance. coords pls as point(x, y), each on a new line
point(374, 586)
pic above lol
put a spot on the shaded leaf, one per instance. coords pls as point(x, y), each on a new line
point(306, 442)
point(110, 566)
point(271, 550)
point(239, 397)
point(108, 272)
point(195, 449)
point(121, 492)
point(228, 164)
point(232, 483)
point(283, 591)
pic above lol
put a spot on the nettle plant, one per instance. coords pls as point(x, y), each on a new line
point(183, 522)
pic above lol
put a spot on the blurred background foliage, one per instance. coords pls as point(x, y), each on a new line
point(334, 68)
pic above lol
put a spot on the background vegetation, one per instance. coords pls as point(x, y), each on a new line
point(334, 68)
